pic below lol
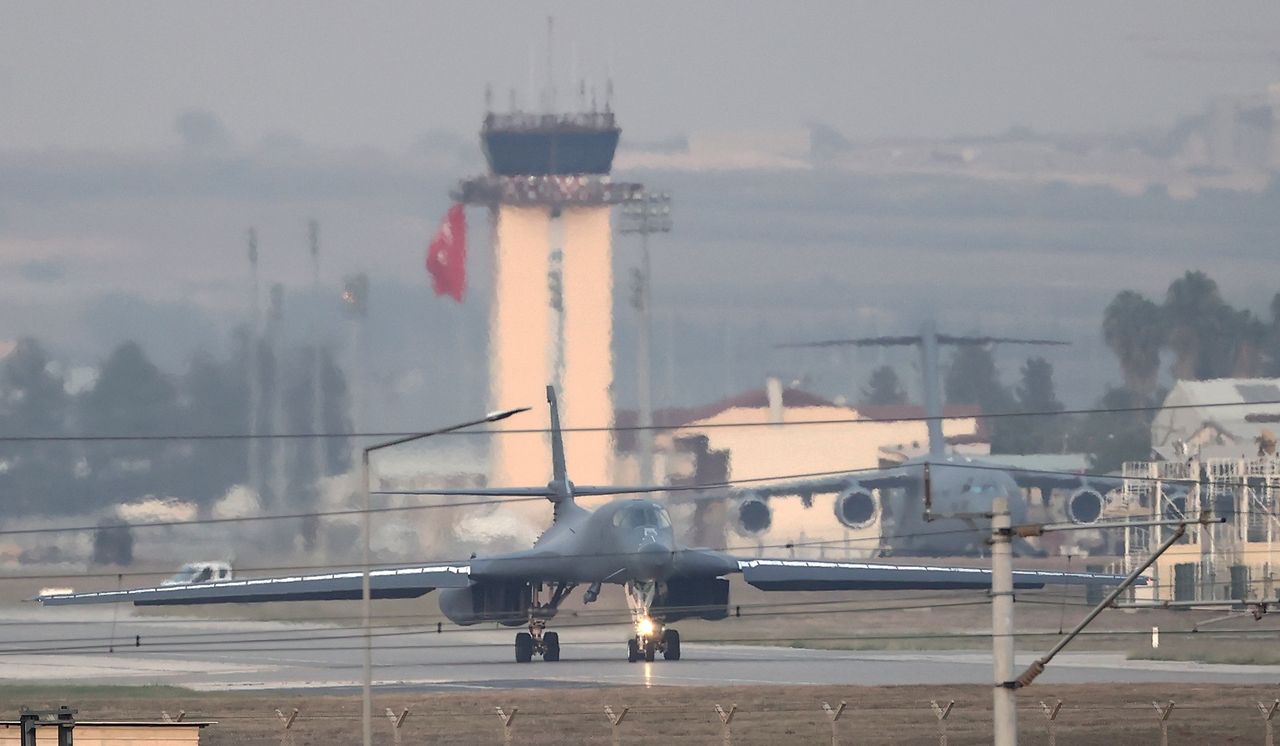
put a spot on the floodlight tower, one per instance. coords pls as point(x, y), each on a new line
point(645, 213)
point(549, 192)
point(254, 372)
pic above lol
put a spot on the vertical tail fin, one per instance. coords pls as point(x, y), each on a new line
point(561, 487)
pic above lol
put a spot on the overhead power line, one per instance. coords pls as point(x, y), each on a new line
point(491, 500)
point(617, 428)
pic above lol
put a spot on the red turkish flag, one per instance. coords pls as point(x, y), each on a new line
point(447, 255)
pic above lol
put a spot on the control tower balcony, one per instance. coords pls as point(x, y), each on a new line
point(523, 144)
point(551, 191)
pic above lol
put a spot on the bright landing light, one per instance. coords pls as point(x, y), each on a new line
point(645, 627)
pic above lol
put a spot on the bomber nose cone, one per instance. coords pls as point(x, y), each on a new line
point(651, 560)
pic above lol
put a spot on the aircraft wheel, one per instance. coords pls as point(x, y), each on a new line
point(633, 650)
point(671, 645)
point(650, 651)
point(524, 647)
point(551, 646)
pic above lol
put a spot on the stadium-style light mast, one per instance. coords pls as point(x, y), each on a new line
point(644, 213)
point(366, 595)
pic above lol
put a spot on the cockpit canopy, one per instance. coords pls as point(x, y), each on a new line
point(642, 515)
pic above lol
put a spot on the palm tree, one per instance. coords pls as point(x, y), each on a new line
point(1134, 328)
point(1193, 306)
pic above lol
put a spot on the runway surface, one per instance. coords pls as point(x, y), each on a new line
point(89, 646)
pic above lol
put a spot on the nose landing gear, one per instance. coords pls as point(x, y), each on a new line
point(651, 636)
point(648, 647)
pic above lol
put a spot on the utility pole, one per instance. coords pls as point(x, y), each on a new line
point(1005, 710)
point(366, 554)
point(645, 213)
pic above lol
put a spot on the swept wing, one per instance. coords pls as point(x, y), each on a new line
point(392, 582)
point(816, 575)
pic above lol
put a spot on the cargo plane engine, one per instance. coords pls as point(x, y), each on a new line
point(752, 515)
point(1085, 505)
point(856, 507)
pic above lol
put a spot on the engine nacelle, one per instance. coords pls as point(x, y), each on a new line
point(856, 507)
point(698, 598)
point(505, 603)
point(752, 516)
point(1085, 506)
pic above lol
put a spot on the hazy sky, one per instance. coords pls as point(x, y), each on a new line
point(114, 75)
point(110, 230)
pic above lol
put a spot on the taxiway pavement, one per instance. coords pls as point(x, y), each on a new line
point(97, 646)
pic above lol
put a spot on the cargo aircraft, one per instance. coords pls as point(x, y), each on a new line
point(935, 501)
point(629, 542)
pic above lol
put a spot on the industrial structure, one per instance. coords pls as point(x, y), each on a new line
point(549, 195)
point(1217, 439)
point(1234, 560)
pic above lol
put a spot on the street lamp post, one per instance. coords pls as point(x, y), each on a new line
point(366, 595)
point(645, 213)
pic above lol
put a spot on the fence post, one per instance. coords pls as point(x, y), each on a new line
point(726, 719)
point(506, 723)
point(1268, 712)
point(1051, 715)
point(1164, 713)
point(942, 713)
point(286, 721)
point(834, 714)
point(615, 722)
point(397, 722)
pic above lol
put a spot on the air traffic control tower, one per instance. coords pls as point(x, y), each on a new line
point(549, 194)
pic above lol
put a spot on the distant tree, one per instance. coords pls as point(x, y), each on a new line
point(131, 397)
point(1134, 328)
point(33, 401)
point(884, 387)
point(1271, 352)
point(1237, 346)
point(972, 378)
point(1042, 433)
point(33, 395)
point(1194, 310)
point(215, 399)
point(1111, 438)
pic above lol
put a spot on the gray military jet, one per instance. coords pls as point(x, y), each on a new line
point(629, 542)
point(959, 489)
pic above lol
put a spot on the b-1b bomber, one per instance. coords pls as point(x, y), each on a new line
point(629, 543)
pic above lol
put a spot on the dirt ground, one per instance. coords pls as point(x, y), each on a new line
point(1091, 714)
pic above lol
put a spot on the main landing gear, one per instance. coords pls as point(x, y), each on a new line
point(651, 636)
point(538, 641)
